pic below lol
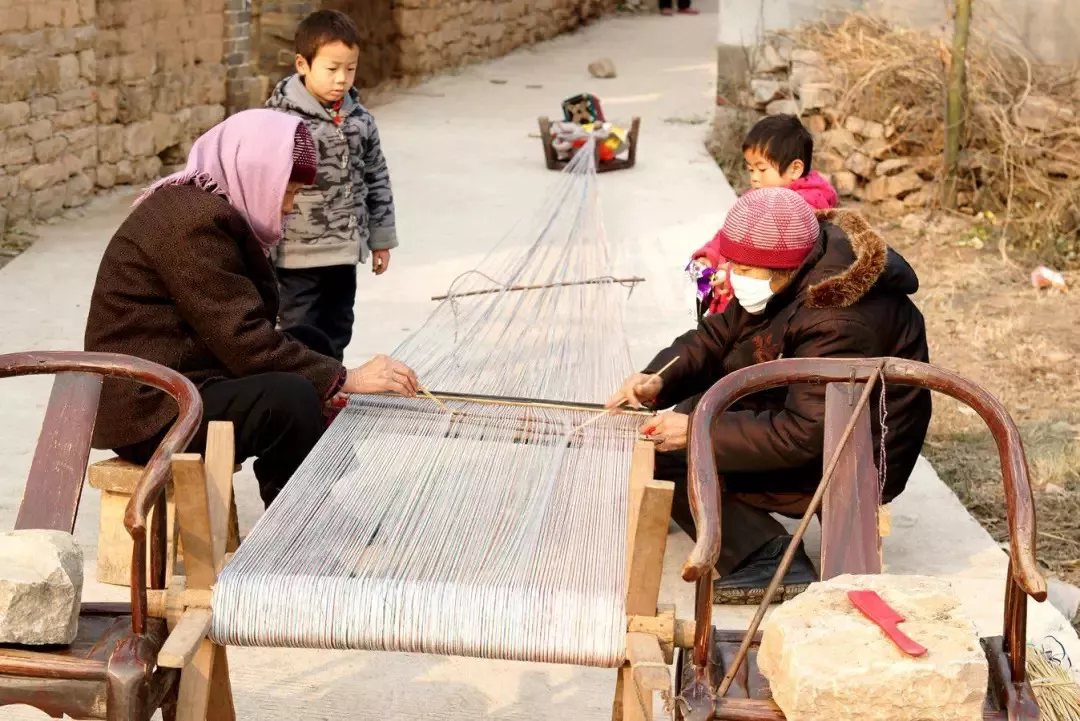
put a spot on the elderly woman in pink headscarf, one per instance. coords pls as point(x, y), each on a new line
point(186, 282)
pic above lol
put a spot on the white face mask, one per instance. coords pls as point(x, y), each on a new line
point(752, 293)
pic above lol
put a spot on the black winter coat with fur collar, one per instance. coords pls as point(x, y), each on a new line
point(849, 299)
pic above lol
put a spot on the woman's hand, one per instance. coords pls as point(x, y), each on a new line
point(667, 430)
point(381, 374)
point(637, 389)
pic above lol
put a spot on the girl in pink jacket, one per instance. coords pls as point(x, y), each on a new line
point(778, 151)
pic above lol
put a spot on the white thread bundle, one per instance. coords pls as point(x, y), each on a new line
point(495, 531)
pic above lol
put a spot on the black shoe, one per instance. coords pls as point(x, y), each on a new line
point(746, 585)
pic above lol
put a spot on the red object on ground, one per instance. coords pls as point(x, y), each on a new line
point(874, 608)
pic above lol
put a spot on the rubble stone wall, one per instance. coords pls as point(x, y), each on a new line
point(95, 93)
point(402, 40)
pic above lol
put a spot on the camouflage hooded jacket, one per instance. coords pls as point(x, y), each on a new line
point(350, 209)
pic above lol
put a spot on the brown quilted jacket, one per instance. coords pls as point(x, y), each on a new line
point(849, 299)
point(184, 283)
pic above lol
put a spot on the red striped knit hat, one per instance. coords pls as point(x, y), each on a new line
point(769, 228)
point(303, 157)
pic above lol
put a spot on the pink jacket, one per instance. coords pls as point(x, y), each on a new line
point(814, 189)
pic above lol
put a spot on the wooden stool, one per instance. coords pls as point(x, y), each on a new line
point(116, 479)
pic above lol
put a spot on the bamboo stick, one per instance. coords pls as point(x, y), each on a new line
point(592, 281)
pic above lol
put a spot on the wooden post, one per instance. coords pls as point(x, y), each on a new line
point(954, 104)
point(648, 518)
point(203, 496)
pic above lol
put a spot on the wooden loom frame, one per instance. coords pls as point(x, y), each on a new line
point(203, 493)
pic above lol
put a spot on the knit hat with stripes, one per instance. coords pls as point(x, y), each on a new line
point(769, 228)
point(304, 160)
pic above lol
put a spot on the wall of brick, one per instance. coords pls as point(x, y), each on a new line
point(95, 93)
point(403, 40)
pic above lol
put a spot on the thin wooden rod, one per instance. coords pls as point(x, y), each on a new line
point(653, 377)
point(533, 403)
point(591, 281)
point(789, 554)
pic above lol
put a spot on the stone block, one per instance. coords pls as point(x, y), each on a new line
point(13, 114)
point(83, 138)
point(845, 183)
point(764, 59)
point(87, 65)
point(808, 74)
point(41, 580)
point(860, 164)
point(816, 124)
point(136, 67)
point(19, 207)
point(816, 96)
point(840, 140)
point(16, 153)
point(110, 143)
point(78, 98)
point(824, 660)
point(893, 186)
point(139, 139)
point(47, 202)
point(147, 169)
point(876, 148)
point(603, 68)
point(784, 106)
point(14, 44)
point(105, 175)
point(45, 13)
point(892, 166)
point(58, 41)
point(37, 177)
point(166, 131)
point(765, 90)
point(205, 117)
point(15, 18)
point(87, 10)
point(43, 107)
point(68, 119)
point(135, 103)
point(69, 13)
point(829, 161)
point(125, 174)
point(78, 190)
point(39, 130)
point(812, 58)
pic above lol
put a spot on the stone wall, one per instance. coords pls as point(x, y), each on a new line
point(95, 93)
point(403, 40)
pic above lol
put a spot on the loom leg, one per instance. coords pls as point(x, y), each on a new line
point(648, 518)
point(204, 500)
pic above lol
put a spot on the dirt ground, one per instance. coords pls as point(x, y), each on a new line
point(986, 322)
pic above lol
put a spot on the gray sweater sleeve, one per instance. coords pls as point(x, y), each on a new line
point(380, 196)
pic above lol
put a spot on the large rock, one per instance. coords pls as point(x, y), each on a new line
point(765, 90)
point(765, 60)
point(603, 68)
point(824, 660)
point(893, 186)
point(41, 580)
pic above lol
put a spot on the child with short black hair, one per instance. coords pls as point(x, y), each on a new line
point(350, 209)
point(778, 152)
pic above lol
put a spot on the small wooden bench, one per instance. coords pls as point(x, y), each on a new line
point(116, 479)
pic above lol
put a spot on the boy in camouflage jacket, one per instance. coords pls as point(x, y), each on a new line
point(350, 209)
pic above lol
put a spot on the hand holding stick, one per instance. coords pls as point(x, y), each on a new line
point(598, 416)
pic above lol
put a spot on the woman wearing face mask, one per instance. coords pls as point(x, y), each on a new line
point(806, 286)
point(185, 282)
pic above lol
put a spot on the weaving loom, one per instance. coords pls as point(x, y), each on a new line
point(512, 519)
